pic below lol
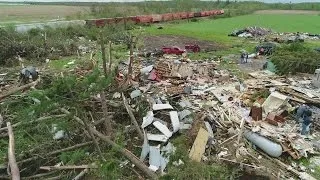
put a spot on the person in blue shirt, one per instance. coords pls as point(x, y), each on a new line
point(304, 116)
point(300, 112)
point(306, 122)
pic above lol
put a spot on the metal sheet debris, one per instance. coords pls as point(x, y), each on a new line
point(174, 120)
point(184, 113)
point(148, 119)
point(157, 107)
point(162, 128)
point(157, 137)
point(155, 158)
point(145, 148)
point(209, 128)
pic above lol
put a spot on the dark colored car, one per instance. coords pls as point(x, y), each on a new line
point(192, 48)
point(265, 49)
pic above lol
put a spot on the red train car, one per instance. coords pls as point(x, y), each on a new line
point(190, 14)
point(208, 13)
point(143, 19)
point(167, 17)
point(100, 22)
point(151, 18)
point(176, 16)
point(156, 18)
point(90, 22)
point(119, 20)
point(197, 14)
point(110, 21)
point(130, 19)
point(212, 12)
point(184, 15)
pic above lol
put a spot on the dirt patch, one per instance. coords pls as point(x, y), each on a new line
point(52, 11)
point(286, 12)
point(156, 42)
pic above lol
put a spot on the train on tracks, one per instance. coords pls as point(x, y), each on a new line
point(149, 19)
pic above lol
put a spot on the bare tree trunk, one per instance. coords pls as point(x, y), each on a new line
point(136, 161)
point(94, 140)
point(103, 52)
point(15, 173)
point(129, 77)
point(133, 119)
point(107, 122)
point(14, 90)
point(110, 60)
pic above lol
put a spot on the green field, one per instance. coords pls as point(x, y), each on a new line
point(218, 29)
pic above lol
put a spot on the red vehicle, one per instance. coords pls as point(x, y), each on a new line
point(173, 50)
point(192, 48)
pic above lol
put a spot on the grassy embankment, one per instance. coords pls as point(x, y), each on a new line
point(218, 29)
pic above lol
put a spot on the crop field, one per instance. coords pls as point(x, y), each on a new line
point(218, 29)
point(13, 14)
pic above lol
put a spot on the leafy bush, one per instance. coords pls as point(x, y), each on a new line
point(63, 41)
point(295, 58)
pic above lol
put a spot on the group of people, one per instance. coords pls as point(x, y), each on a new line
point(244, 57)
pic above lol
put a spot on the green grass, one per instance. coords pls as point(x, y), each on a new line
point(218, 29)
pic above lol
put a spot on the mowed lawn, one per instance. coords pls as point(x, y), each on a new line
point(218, 29)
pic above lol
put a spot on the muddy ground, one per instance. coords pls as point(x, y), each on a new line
point(156, 42)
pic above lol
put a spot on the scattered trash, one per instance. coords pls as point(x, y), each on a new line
point(180, 162)
point(157, 107)
point(135, 93)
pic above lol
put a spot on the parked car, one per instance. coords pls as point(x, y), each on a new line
point(192, 48)
point(265, 49)
point(173, 50)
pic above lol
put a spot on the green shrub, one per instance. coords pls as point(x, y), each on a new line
point(295, 58)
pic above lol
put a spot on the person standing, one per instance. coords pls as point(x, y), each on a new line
point(306, 122)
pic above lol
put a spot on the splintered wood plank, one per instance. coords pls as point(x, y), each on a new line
point(199, 145)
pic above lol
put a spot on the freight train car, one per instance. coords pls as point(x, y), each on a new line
point(143, 19)
point(167, 17)
point(155, 18)
point(184, 15)
point(176, 16)
point(190, 14)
